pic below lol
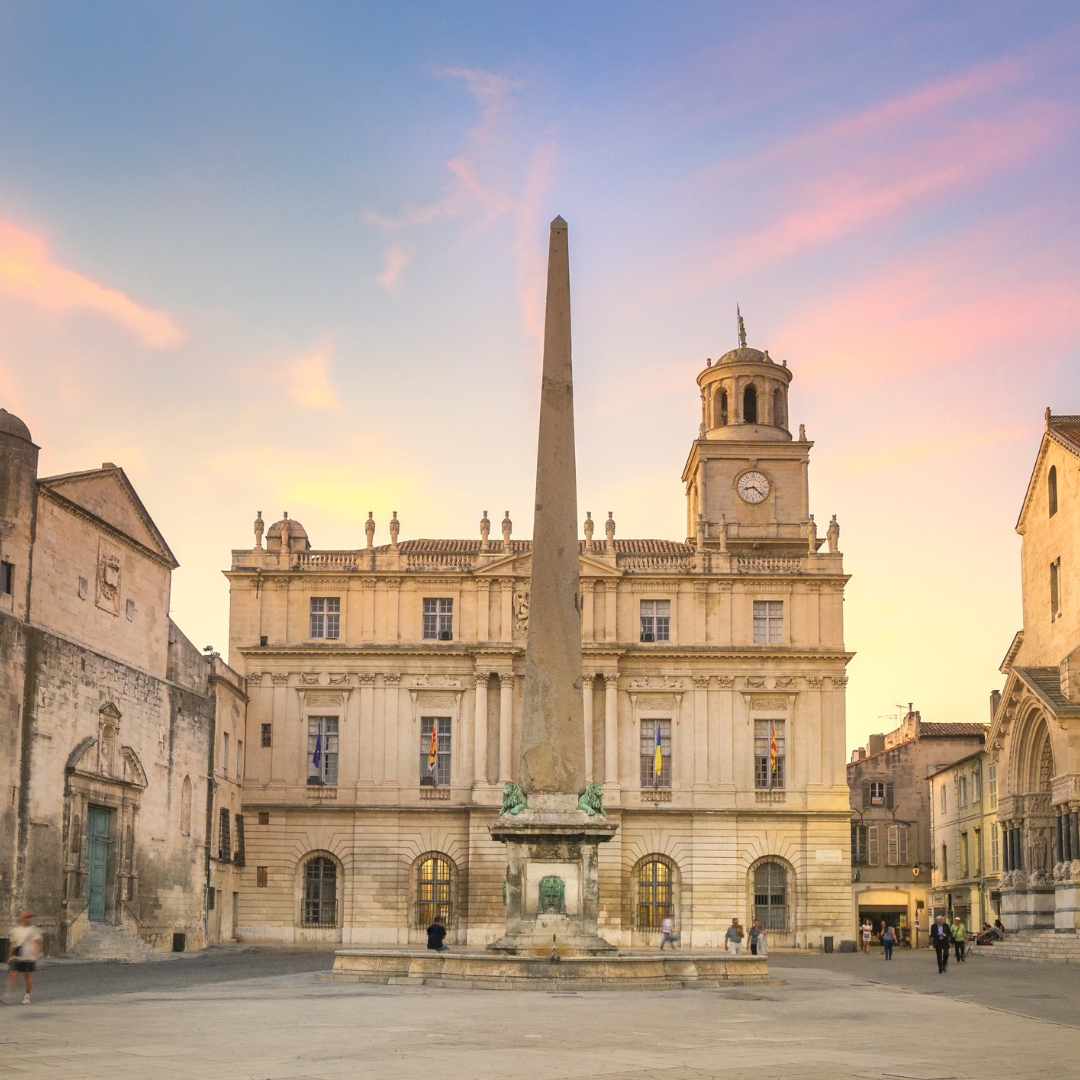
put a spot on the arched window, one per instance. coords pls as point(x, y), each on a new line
point(320, 892)
point(185, 807)
point(749, 405)
point(721, 408)
point(1051, 489)
point(770, 896)
point(434, 890)
point(654, 894)
point(778, 418)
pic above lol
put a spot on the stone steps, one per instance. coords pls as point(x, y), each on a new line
point(1034, 946)
point(102, 941)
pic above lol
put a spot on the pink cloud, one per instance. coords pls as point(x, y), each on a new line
point(396, 261)
point(308, 378)
point(531, 256)
point(28, 272)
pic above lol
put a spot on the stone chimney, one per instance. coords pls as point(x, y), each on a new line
point(995, 701)
point(875, 744)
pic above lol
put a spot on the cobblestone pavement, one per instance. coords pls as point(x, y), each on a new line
point(820, 1022)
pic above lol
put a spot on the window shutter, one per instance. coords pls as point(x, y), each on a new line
point(871, 845)
point(238, 857)
point(889, 795)
point(866, 794)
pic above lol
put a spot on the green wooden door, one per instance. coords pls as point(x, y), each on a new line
point(97, 860)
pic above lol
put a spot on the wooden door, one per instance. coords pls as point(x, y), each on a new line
point(97, 860)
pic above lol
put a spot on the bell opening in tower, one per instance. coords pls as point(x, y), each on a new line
point(750, 405)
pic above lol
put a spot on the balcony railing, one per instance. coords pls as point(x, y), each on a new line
point(327, 560)
point(669, 563)
point(768, 564)
point(438, 561)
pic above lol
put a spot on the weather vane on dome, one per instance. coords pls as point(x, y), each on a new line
point(742, 327)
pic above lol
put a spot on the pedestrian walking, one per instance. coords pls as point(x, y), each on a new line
point(888, 940)
point(25, 952)
point(755, 937)
point(733, 937)
point(959, 937)
point(867, 933)
point(435, 934)
point(667, 927)
point(941, 939)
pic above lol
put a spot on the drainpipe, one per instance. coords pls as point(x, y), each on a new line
point(211, 784)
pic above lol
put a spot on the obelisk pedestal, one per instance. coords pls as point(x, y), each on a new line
point(552, 884)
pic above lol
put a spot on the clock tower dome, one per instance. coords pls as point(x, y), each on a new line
point(746, 478)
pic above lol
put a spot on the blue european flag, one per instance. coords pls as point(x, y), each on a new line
point(316, 758)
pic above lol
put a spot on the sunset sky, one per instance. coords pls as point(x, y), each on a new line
point(290, 257)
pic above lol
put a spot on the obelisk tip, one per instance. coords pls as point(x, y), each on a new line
point(558, 223)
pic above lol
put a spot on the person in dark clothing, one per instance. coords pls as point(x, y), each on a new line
point(941, 939)
point(435, 934)
point(888, 940)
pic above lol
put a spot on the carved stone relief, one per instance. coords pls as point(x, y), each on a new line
point(108, 577)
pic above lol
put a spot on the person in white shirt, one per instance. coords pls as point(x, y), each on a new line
point(26, 943)
point(667, 926)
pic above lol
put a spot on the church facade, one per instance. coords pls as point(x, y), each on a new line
point(385, 690)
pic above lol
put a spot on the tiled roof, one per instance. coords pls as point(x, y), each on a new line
point(942, 731)
point(1067, 427)
point(1046, 682)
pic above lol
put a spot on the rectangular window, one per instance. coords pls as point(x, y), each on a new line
point(995, 850)
point(655, 620)
point(7, 577)
point(267, 736)
point(264, 817)
point(1055, 605)
point(322, 751)
point(224, 835)
point(964, 861)
point(84, 588)
point(991, 776)
point(961, 791)
point(944, 862)
point(897, 854)
point(649, 729)
point(438, 619)
point(239, 760)
point(768, 622)
point(238, 854)
point(262, 877)
point(944, 799)
point(435, 773)
point(224, 753)
point(871, 845)
point(326, 617)
point(977, 835)
point(877, 792)
point(859, 850)
point(769, 769)
point(976, 785)
point(129, 610)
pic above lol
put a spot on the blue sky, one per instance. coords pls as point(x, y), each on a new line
point(284, 256)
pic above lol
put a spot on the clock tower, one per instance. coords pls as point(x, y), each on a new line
point(746, 478)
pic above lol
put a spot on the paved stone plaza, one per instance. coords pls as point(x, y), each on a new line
point(824, 1017)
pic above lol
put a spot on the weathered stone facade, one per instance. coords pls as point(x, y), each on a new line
point(892, 849)
point(1033, 736)
point(720, 644)
point(107, 716)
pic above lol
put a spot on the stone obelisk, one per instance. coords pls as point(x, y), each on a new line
point(552, 863)
point(552, 758)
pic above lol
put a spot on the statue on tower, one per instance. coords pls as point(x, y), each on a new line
point(742, 328)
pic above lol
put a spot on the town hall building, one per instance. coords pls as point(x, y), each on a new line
point(385, 690)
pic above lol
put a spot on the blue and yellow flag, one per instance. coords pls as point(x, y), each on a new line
point(658, 759)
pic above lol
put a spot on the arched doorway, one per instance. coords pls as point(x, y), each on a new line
point(770, 907)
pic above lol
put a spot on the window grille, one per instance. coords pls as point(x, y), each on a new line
point(434, 887)
point(224, 837)
point(438, 619)
point(654, 895)
point(320, 892)
point(440, 775)
point(326, 617)
point(267, 736)
point(770, 896)
point(322, 751)
point(769, 773)
point(262, 877)
point(655, 620)
point(649, 779)
point(768, 622)
point(238, 855)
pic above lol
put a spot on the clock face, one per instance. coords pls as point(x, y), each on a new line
point(753, 487)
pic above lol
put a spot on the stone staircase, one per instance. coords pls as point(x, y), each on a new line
point(101, 941)
point(1035, 946)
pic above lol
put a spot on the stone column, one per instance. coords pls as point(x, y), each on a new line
point(367, 728)
point(283, 592)
point(483, 609)
point(611, 589)
point(393, 592)
point(480, 718)
point(587, 596)
point(611, 727)
point(819, 745)
point(390, 726)
point(369, 609)
point(506, 724)
point(587, 702)
point(506, 623)
point(700, 749)
point(701, 589)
